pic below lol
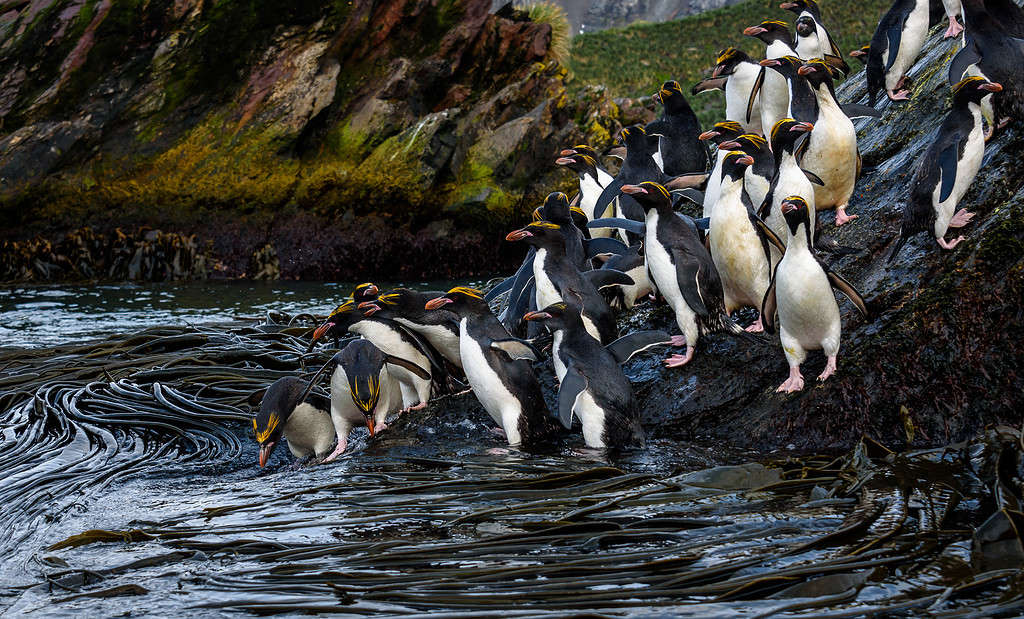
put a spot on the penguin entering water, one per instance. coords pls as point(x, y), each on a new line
point(364, 389)
point(772, 87)
point(681, 268)
point(592, 386)
point(897, 41)
point(948, 168)
point(677, 129)
point(557, 279)
point(801, 292)
point(289, 411)
point(740, 73)
point(498, 369)
point(738, 246)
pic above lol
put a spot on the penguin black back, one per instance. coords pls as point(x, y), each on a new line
point(681, 150)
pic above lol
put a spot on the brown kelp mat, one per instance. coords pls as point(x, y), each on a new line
point(129, 483)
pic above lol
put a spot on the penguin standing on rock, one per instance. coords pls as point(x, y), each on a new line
point(498, 369)
point(953, 10)
point(682, 269)
point(897, 41)
point(789, 178)
point(677, 130)
point(801, 292)
point(289, 411)
point(740, 73)
point(948, 168)
point(592, 386)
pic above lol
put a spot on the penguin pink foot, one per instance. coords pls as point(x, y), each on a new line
point(961, 218)
point(954, 28)
point(899, 95)
point(842, 217)
point(794, 383)
point(830, 369)
point(677, 361)
point(944, 244)
point(342, 444)
point(678, 340)
point(500, 432)
point(757, 327)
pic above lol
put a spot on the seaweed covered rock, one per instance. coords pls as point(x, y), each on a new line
point(942, 356)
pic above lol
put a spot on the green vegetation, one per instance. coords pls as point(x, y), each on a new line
point(553, 15)
point(634, 61)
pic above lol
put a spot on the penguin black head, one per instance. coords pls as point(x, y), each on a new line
point(671, 96)
point(557, 317)
point(649, 195)
point(727, 61)
point(973, 90)
point(788, 66)
point(580, 163)
point(365, 292)
point(460, 300)
point(750, 143)
point(337, 324)
point(818, 72)
point(556, 209)
point(769, 31)
point(786, 132)
point(279, 400)
point(538, 234)
point(805, 26)
point(580, 149)
point(722, 132)
point(861, 54)
point(636, 140)
point(796, 212)
point(735, 164)
point(400, 301)
point(363, 362)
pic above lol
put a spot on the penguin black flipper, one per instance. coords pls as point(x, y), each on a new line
point(608, 195)
point(947, 168)
point(689, 193)
point(769, 305)
point(856, 110)
point(604, 246)
point(766, 233)
point(629, 225)
point(436, 360)
point(691, 282)
point(519, 306)
point(626, 346)
point(409, 365)
point(604, 278)
point(701, 223)
point(894, 35)
point(814, 178)
point(962, 61)
point(753, 92)
point(574, 384)
point(516, 349)
point(501, 288)
point(839, 283)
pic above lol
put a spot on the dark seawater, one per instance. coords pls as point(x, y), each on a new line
point(129, 487)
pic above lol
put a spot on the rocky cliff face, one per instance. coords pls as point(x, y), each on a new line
point(594, 15)
point(338, 132)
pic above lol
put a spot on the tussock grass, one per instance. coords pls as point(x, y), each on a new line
point(561, 32)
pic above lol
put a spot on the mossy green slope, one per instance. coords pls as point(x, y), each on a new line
point(633, 61)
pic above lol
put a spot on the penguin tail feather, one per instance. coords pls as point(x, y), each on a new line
point(899, 245)
point(734, 328)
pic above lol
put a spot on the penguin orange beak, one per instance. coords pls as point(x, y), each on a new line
point(707, 135)
point(321, 330)
point(753, 31)
point(568, 152)
point(437, 303)
point(805, 70)
point(369, 308)
point(730, 145)
point(745, 160)
point(633, 189)
point(372, 289)
point(564, 160)
point(770, 62)
point(802, 127)
point(789, 207)
point(536, 316)
point(517, 235)
point(857, 53)
point(265, 450)
point(992, 87)
point(785, 6)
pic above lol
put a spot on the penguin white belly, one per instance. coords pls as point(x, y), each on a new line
point(545, 292)
point(966, 169)
point(503, 407)
point(641, 286)
point(809, 47)
point(774, 99)
point(414, 388)
point(738, 253)
point(737, 97)
point(915, 32)
point(832, 155)
point(590, 191)
point(592, 419)
point(808, 311)
point(309, 431)
point(666, 278)
point(714, 186)
point(556, 358)
point(603, 177)
point(756, 187)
